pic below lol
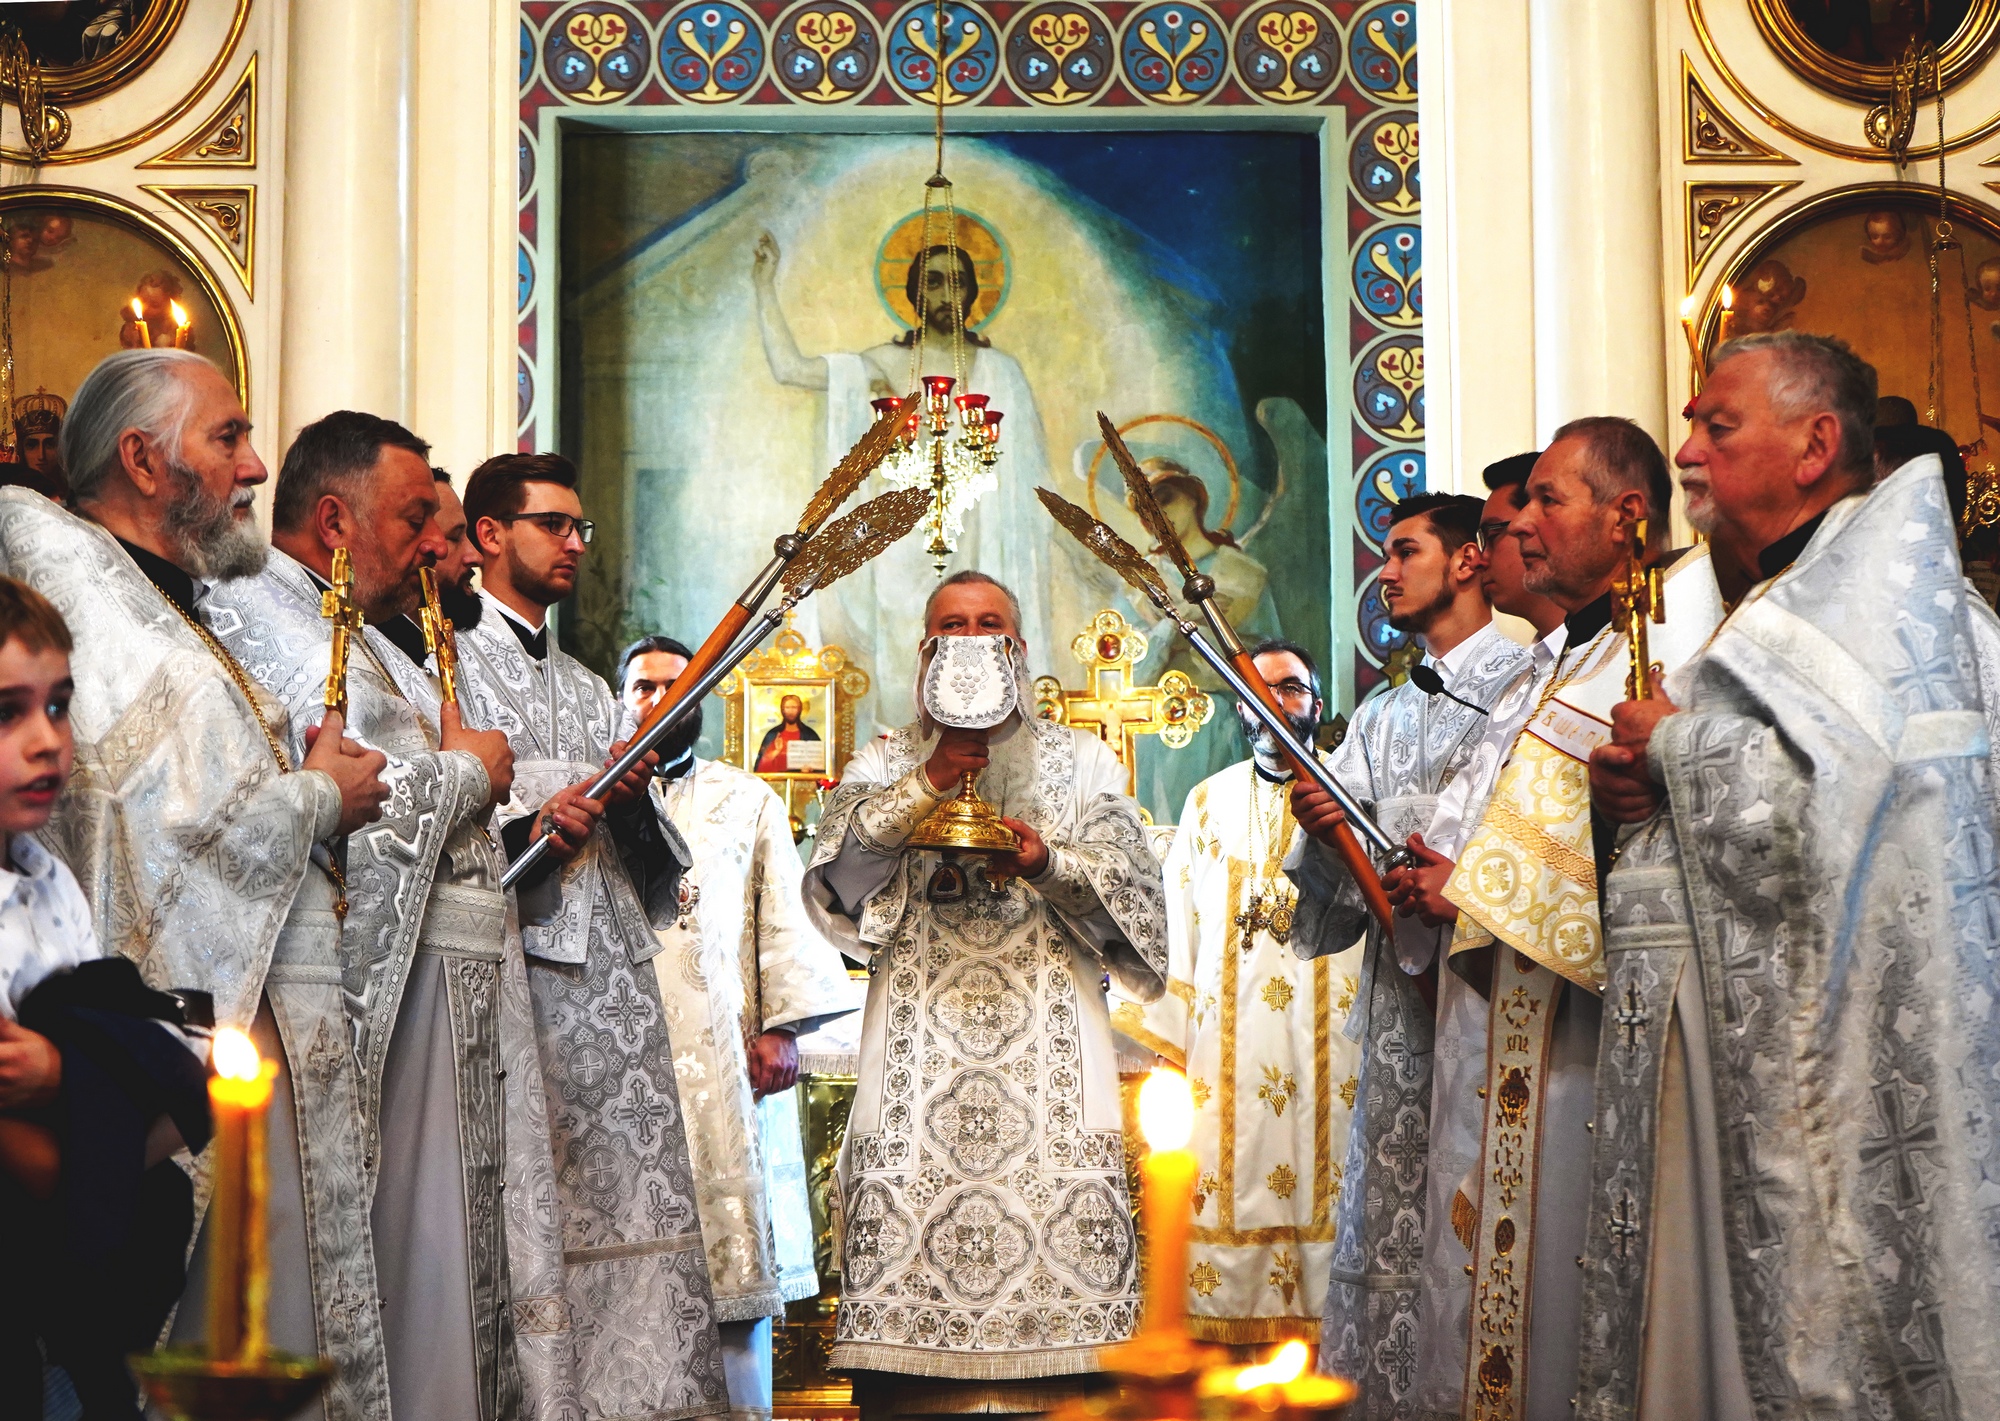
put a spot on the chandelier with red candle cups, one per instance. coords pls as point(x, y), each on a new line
point(950, 442)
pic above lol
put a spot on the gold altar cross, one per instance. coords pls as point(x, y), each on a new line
point(1114, 709)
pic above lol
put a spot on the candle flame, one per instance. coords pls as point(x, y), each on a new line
point(1728, 298)
point(1687, 307)
point(235, 1056)
point(180, 315)
point(138, 309)
point(1166, 1109)
point(1286, 1365)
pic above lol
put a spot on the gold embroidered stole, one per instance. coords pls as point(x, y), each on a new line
point(1522, 1009)
point(1527, 875)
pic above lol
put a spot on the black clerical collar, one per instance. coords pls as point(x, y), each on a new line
point(1783, 553)
point(534, 640)
point(1586, 622)
point(1266, 776)
point(680, 769)
point(407, 637)
point(175, 585)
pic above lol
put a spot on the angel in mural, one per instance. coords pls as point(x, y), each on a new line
point(1885, 237)
point(1006, 533)
point(1766, 300)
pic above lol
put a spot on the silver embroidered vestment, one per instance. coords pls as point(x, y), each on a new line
point(988, 1234)
point(194, 851)
point(1400, 750)
point(635, 1280)
point(743, 959)
point(420, 966)
point(1800, 1066)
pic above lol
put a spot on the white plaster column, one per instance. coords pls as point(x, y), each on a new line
point(1599, 319)
point(346, 341)
point(463, 234)
point(1479, 240)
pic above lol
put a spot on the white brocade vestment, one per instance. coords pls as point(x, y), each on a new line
point(636, 1285)
point(743, 959)
point(988, 1234)
point(193, 849)
point(1258, 1031)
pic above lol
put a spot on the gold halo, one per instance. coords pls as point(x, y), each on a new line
point(977, 238)
point(1221, 449)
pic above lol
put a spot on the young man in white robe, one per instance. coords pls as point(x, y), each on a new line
point(742, 975)
point(1258, 1029)
point(1402, 749)
point(1795, 1206)
point(635, 1293)
point(183, 779)
point(988, 1247)
point(422, 942)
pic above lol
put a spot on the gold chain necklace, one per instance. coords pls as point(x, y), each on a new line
point(328, 865)
point(1258, 916)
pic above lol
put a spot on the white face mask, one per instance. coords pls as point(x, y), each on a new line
point(970, 682)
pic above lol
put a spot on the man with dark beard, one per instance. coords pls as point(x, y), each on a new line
point(193, 826)
point(1269, 1031)
point(1402, 747)
point(742, 973)
point(455, 568)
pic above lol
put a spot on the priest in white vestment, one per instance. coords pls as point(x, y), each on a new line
point(742, 974)
point(1795, 1208)
point(1258, 1030)
point(1403, 746)
point(987, 1239)
point(636, 1297)
point(194, 831)
point(421, 953)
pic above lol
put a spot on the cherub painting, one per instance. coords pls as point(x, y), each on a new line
point(1765, 301)
point(1885, 237)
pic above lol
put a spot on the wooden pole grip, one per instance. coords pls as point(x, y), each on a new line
point(706, 655)
point(1344, 841)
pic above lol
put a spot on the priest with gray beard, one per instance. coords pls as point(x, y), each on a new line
point(988, 1250)
point(196, 831)
point(423, 942)
point(1795, 1199)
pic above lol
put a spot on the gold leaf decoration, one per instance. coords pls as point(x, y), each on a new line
point(227, 138)
point(1282, 1181)
point(1711, 135)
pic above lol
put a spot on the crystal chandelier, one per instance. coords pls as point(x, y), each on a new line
point(949, 443)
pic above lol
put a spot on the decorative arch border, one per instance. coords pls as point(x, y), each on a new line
point(1346, 69)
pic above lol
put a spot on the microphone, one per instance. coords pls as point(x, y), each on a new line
point(1426, 679)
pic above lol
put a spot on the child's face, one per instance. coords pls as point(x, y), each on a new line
point(37, 747)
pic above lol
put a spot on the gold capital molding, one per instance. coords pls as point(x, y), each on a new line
point(1714, 208)
point(1710, 135)
point(228, 215)
point(227, 138)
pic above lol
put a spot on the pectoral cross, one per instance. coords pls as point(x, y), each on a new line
point(336, 604)
point(1253, 919)
point(440, 638)
point(1114, 709)
point(1624, 1225)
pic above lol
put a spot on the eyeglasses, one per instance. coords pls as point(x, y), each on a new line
point(1490, 534)
point(557, 525)
point(1293, 689)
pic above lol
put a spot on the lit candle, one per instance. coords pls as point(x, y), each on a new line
point(145, 331)
point(1167, 1175)
point(1279, 1385)
point(1726, 326)
point(239, 1279)
point(181, 324)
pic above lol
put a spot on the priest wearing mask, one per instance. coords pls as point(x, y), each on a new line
point(420, 953)
point(988, 1244)
point(1403, 746)
point(742, 974)
point(639, 1308)
point(176, 746)
point(1795, 1207)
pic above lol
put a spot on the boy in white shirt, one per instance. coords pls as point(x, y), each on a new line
point(98, 1086)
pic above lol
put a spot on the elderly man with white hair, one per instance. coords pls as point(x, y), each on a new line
point(988, 1249)
point(1796, 1197)
point(199, 840)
